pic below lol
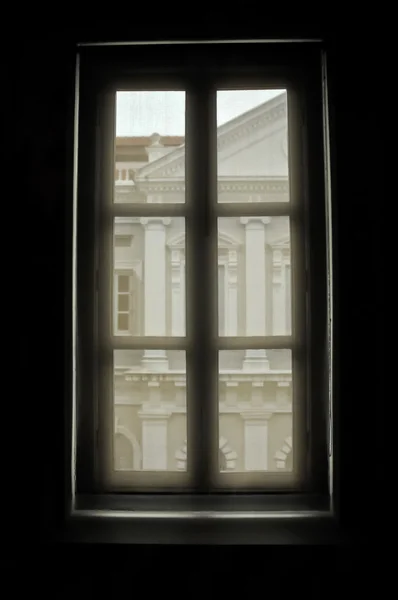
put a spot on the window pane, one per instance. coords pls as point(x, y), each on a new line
point(149, 147)
point(254, 296)
point(124, 283)
point(123, 302)
point(252, 146)
point(255, 410)
point(150, 410)
point(153, 274)
point(123, 240)
point(123, 322)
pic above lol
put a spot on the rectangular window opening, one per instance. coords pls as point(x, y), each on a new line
point(196, 265)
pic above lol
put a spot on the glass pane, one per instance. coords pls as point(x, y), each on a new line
point(149, 147)
point(150, 410)
point(124, 284)
point(123, 240)
point(252, 158)
point(255, 410)
point(123, 302)
point(123, 322)
point(153, 273)
point(254, 296)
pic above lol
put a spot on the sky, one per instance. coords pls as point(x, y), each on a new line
point(145, 113)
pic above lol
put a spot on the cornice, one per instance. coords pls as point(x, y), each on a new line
point(274, 186)
point(179, 376)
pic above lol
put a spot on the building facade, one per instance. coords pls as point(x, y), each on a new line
point(254, 298)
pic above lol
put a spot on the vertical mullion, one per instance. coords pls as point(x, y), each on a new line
point(107, 295)
point(201, 235)
point(299, 283)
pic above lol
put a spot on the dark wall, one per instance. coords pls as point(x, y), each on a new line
point(41, 84)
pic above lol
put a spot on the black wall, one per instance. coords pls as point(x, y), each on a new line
point(35, 194)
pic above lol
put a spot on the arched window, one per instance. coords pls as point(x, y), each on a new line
point(123, 453)
point(226, 457)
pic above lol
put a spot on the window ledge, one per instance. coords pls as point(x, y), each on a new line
point(229, 521)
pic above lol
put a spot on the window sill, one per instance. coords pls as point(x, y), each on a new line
point(249, 520)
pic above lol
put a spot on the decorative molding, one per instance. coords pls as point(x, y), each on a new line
point(256, 414)
point(124, 183)
point(157, 221)
point(282, 244)
point(256, 186)
point(134, 264)
point(237, 375)
point(229, 453)
point(263, 115)
point(259, 117)
point(250, 220)
point(264, 185)
point(225, 240)
point(281, 455)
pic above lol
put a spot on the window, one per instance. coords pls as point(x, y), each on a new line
point(197, 258)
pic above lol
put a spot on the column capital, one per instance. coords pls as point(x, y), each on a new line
point(255, 222)
point(155, 223)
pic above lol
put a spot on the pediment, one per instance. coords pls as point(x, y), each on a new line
point(253, 144)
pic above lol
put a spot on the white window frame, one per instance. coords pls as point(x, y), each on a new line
point(83, 479)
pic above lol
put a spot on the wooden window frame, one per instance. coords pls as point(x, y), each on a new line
point(298, 67)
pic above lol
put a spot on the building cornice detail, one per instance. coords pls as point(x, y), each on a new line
point(275, 186)
point(179, 377)
point(227, 135)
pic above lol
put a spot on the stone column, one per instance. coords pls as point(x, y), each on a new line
point(177, 294)
point(155, 288)
point(278, 295)
point(255, 287)
point(288, 298)
point(257, 393)
point(154, 437)
point(232, 314)
point(256, 440)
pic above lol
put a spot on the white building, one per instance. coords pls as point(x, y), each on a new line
point(255, 392)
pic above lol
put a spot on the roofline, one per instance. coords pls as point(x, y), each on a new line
point(143, 140)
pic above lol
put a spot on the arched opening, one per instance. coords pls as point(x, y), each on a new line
point(226, 457)
point(222, 461)
point(289, 462)
point(123, 453)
